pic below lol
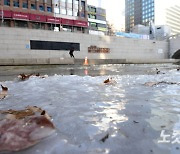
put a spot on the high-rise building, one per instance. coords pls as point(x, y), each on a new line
point(160, 12)
point(138, 12)
point(97, 20)
point(69, 15)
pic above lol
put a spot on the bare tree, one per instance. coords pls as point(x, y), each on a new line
point(110, 29)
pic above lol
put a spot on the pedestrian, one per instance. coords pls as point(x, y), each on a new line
point(71, 52)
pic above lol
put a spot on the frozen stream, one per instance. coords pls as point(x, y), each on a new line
point(85, 110)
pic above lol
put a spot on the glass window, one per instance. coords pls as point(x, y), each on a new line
point(7, 2)
point(82, 14)
point(93, 24)
point(35, 25)
point(33, 6)
point(22, 24)
point(76, 2)
point(69, 12)
point(16, 3)
point(41, 7)
point(5, 23)
point(63, 11)
point(25, 5)
point(76, 13)
point(49, 9)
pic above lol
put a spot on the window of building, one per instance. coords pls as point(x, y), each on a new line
point(83, 14)
point(76, 13)
point(7, 2)
point(92, 16)
point(76, 8)
point(101, 17)
point(49, 1)
point(93, 24)
point(49, 9)
point(101, 25)
point(68, 28)
point(35, 25)
point(69, 1)
point(63, 11)
point(25, 4)
point(63, 3)
point(33, 6)
point(22, 24)
point(41, 7)
point(5, 23)
point(49, 26)
point(16, 3)
point(92, 9)
point(69, 12)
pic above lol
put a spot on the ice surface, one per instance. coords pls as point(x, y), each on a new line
point(84, 110)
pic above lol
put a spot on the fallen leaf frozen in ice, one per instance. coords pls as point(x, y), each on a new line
point(24, 128)
point(105, 138)
point(27, 76)
point(135, 121)
point(110, 81)
point(24, 76)
point(28, 111)
point(4, 92)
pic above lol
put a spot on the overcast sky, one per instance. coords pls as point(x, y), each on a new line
point(114, 11)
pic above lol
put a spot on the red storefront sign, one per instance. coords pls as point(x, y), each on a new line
point(80, 23)
point(53, 20)
point(5, 14)
point(20, 15)
point(67, 22)
point(36, 17)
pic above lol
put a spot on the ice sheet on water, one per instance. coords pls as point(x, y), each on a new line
point(84, 109)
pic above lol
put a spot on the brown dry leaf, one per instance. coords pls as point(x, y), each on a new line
point(27, 76)
point(24, 76)
point(28, 111)
point(24, 128)
point(4, 92)
point(107, 80)
point(110, 81)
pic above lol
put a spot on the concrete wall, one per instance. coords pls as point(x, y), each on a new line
point(174, 44)
point(15, 46)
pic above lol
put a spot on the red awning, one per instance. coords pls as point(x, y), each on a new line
point(53, 20)
point(36, 17)
point(20, 15)
point(66, 21)
point(80, 23)
point(5, 14)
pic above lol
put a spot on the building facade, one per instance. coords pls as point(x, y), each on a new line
point(97, 20)
point(159, 12)
point(68, 15)
point(138, 12)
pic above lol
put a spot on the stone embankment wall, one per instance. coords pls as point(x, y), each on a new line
point(15, 48)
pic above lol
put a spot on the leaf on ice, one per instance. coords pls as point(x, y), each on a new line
point(27, 76)
point(4, 92)
point(110, 81)
point(24, 128)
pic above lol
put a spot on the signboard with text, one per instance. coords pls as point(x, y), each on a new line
point(95, 49)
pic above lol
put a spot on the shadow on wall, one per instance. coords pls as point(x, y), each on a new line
point(176, 55)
